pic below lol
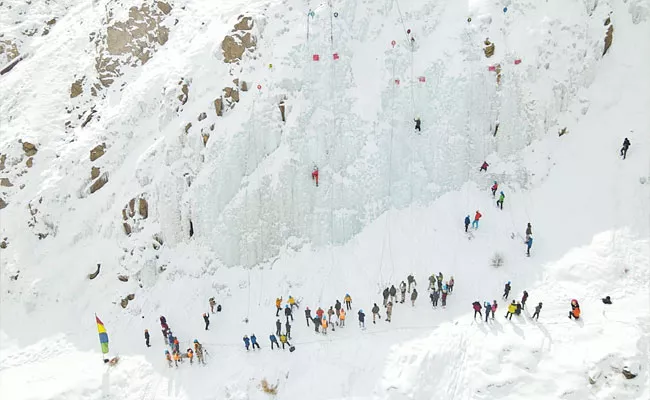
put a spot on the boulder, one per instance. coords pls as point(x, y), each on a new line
point(205, 138)
point(130, 296)
point(3, 158)
point(29, 149)
point(3, 203)
point(97, 152)
point(124, 302)
point(235, 96)
point(164, 7)
point(29, 162)
point(202, 116)
point(99, 183)
point(5, 182)
point(244, 24)
point(123, 278)
point(187, 127)
point(609, 36)
point(143, 208)
point(124, 217)
point(244, 86)
point(94, 172)
point(76, 89)
point(232, 48)
point(218, 106)
point(127, 228)
point(489, 48)
point(3, 244)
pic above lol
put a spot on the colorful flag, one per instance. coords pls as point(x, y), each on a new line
point(103, 336)
point(422, 79)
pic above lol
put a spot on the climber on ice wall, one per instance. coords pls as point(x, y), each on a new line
point(418, 124)
point(484, 166)
point(314, 175)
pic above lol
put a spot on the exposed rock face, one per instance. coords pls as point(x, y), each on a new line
point(29, 149)
point(5, 182)
point(609, 36)
point(99, 183)
point(202, 116)
point(3, 158)
point(3, 203)
point(235, 45)
point(218, 106)
point(143, 208)
point(185, 92)
point(244, 86)
point(94, 173)
point(30, 162)
point(131, 221)
point(76, 88)
point(164, 7)
point(8, 51)
point(127, 228)
point(97, 152)
point(187, 127)
point(489, 48)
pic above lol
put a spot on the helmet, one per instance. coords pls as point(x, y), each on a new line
point(502, 192)
point(290, 297)
point(361, 311)
point(166, 351)
point(508, 282)
point(146, 330)
point(495, 182)
point(346, 294)
point(286, 306)
point(196, 341)
point(306, 308)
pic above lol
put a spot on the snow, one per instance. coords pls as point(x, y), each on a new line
point(390, 201)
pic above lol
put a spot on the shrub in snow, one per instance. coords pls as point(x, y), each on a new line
point(268, 388)
point(497, 260)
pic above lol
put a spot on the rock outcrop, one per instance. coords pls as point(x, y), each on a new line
point(489, 48)
point(29, 149)
point(99, 183)
point(609, 35)
point(97, 151)
point(132, 217)
point(240, 41)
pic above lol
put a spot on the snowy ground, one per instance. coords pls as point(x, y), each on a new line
point(390, 202)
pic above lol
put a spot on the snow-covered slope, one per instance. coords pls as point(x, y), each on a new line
point(226, 206)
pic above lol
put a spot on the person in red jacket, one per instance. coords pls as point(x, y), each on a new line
point(484, 166)
point(477, 216)
point(494, 189)
point(314, 175)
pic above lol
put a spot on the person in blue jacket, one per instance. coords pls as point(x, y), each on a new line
point(274, 340)
point(247, 342)
point(467, 222)
point(529, 244)
point(488, 308)
point(254, 341)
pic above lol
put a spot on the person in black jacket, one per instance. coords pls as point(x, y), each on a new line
point(375, 313)
point(362, 319)
point(206, 318)
point(316, 322)
point(418, 124)
point(626, 145)
point(307, 315)
point(146, 337)
point(529, 230)
point(288, 326)
point(411, 281)
point(506, 290)
point(393, 293)
point(538, 308)
point(278, 327)
point(288, 313)
point(607, 300)
point(386, 293)
point(524, 298)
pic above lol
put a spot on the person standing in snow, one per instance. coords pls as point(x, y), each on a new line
point(330, 312)
point(434, 297)
point(506, 290)
point(402, 290)
point(432, 282)
point(529, 244)
point(511, 309)
point(168, 357)
point(212, 303)
point(418, 124)
point(575, 309)
point(518, 309)
point(411, 281)
point(389, 310)
point(288, 313)
point(254, 341)
point(247, 342)
point(284, 340)
point(414, 296)
point(494, 308)
point(375, 313)
point(342, 318)
point(488, 308)
point(274, 340)
point(477, 217)
point(278, 327)
point(439, 280)
point(278, 306)
point(348, 302)
point(529, 230)
point(477, 309)
point(198, 350)
point(494, 188)
point(292, 303)
point(386, 293)
point(450, 284)
point(467, 222)
point(307, 315)
point(538, 308)
point(314, 175)
point(500, 201)
point(324, 326)
point(337, 307)
point(288, 327)
point(316, 321)
point(524, 298)
point(362, 319)
point(146, 337)
point(393, 293)
point(206, 319)
point(190, 355)
point(626, 145)
point(443, 297)
point(484, 166)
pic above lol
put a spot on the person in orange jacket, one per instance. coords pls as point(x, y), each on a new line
point(190, 355)
point(324, 325)
point(177, 358)
point(278, 306)
point(575, 309)
point(477, 216)
point(342, 317)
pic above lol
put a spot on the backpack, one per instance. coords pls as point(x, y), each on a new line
point(219, 308)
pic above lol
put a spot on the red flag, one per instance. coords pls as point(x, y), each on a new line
point(393, 43)
point(517, 61)
point(397, 81)
point(315, 57)
point(492, 68)
point(259, 87)
point(422, 79)
point(335, 56)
